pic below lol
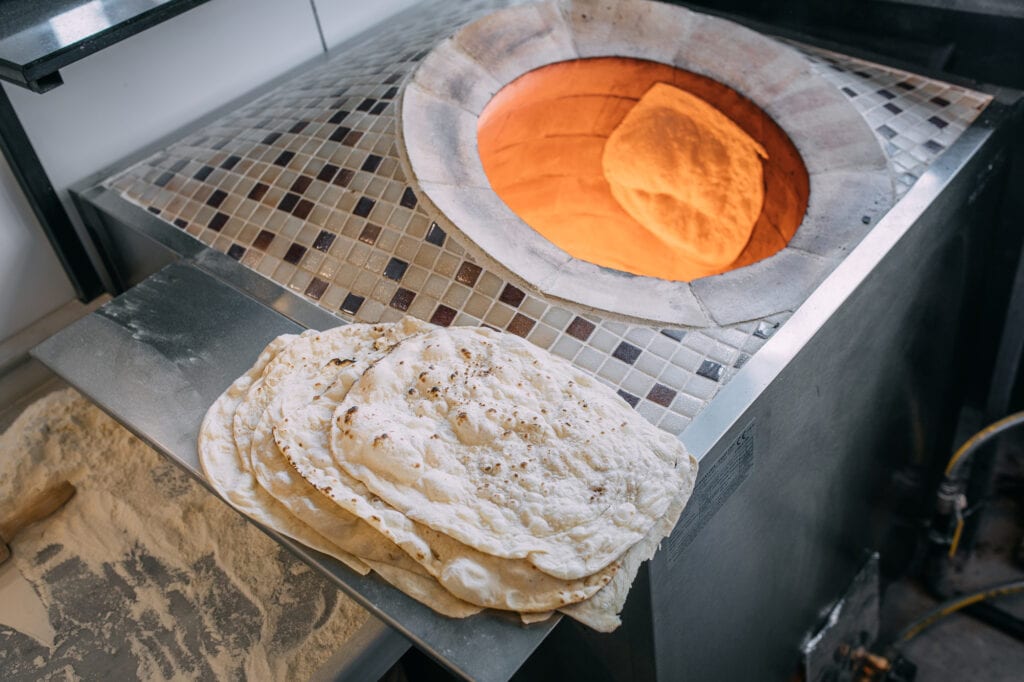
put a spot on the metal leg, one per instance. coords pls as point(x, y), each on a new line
point(45, 203)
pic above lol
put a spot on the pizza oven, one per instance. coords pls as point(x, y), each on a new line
point(491, 163)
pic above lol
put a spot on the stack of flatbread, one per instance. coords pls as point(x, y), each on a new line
point(466, 467)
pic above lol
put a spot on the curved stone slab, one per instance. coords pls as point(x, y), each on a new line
point(850, 186)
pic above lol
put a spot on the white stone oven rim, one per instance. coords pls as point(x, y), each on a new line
point(851, 185)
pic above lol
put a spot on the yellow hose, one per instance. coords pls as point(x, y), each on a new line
point(970, 446)
point(981, 437)
point(953, 605)
point(957, 532)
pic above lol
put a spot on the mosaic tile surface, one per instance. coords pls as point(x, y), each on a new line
point(914, 118)
point(305, 187)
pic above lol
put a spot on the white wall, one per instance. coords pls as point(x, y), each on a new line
point(122, 98)
point(32, 282)
point(132, 93)
point(341, 19)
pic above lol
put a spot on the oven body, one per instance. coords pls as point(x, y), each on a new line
point(798, 451)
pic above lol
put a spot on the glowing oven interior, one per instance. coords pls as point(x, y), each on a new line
point(642, 167)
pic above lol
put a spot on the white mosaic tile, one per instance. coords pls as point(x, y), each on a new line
point(305, 187)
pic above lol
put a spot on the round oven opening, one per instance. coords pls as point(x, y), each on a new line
point(642, 167)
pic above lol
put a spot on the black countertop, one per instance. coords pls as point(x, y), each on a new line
point(38, 37)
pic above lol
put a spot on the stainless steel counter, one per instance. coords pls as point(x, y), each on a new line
point(155, 361)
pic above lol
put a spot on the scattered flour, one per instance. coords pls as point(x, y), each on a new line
point(144, 574)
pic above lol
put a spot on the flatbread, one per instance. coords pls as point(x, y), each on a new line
point(506, 448)
point(601, 612)
point(299, 374)
point(229, 474)
point(424, 589)
point(296, 393)
point(688, 173)
point(473, 576)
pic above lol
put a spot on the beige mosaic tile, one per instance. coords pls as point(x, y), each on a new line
point(305, 187)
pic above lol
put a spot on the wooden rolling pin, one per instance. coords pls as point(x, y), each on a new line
point(35, 509)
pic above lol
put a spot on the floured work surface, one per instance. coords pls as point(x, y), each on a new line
point(144, 575)
point(156, 361)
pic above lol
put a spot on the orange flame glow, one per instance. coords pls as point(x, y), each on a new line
point(642, 167)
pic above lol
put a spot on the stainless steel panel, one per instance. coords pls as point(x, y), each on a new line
point(797, 445)
point(156, 357)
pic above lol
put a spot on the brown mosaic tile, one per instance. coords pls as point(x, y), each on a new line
point(302, 209)
point(662, 395)
point(301, 184)
point(580, 329)
point(521, 325)
point(218, 221)
point(217, 198)
point(263, 240)
point(316, 288)
point(294, 254)
point(370, 234)
point(468, 273)
point(327, 173)
point(443, 316)
point(258, 191)
point(511, 296)
point(288, 202)
point(402, 299)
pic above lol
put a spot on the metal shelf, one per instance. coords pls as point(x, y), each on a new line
point(156, 357)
